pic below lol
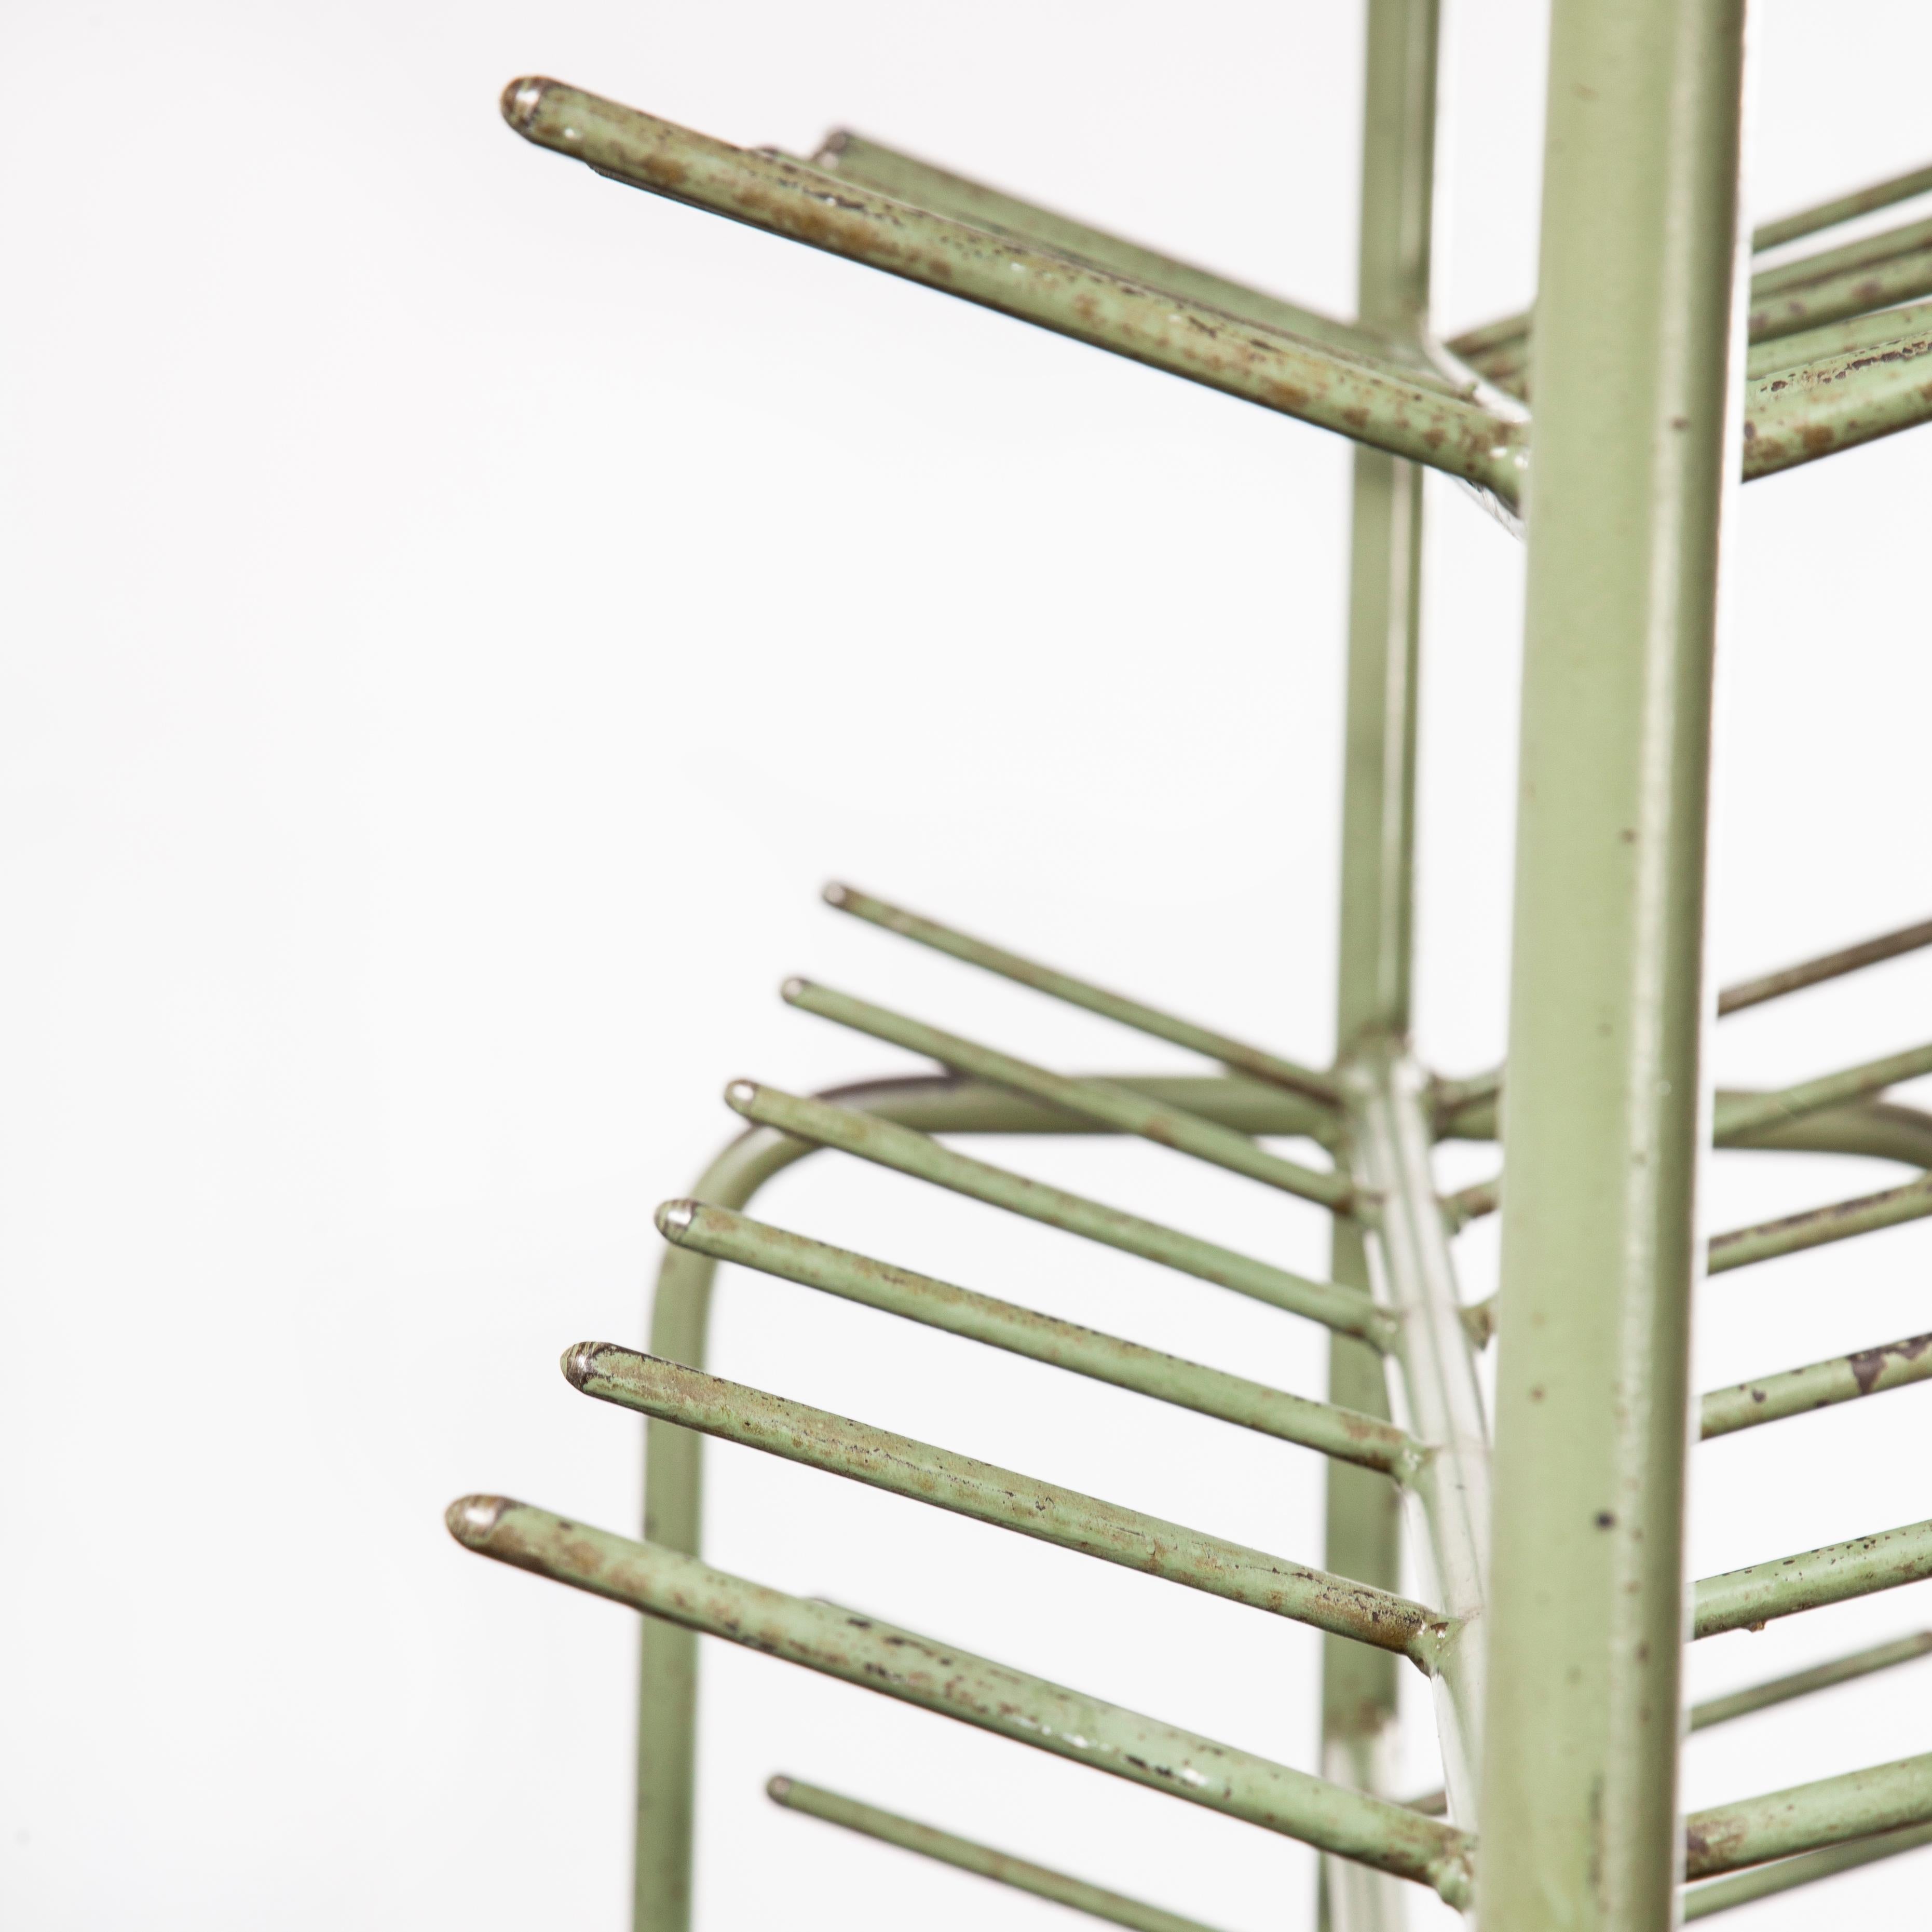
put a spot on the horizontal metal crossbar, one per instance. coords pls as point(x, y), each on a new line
point(1755, 1697)
point(948, 1848)
point(1234, 1054)
point(936, 1677)
point(1816, 1226)
point(1099, 1100)
point(729, 1237)
point(1883, 1798)
point(1827, 966)
point(1818, 1385)
point(1369, 399)
point(1347, 1310)
point(967, 1487)
point(1739, 1115)
point(1861, 1566)
point(1723, 1894)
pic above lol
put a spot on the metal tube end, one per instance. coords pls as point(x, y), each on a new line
point(523, 100)
point(472, 1520)
point(741, 1095)
point(794, 989)
point(778, 1790)
point(836, 894)
point(580, 1362)
point(674, 1219)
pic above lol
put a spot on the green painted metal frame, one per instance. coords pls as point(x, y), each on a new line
point(1565, 1539)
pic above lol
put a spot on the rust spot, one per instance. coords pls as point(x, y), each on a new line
point(1868, 1364)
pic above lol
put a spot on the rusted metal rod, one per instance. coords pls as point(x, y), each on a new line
point(1839, 1222)
point(729, 1237)
point(1347, 1310)
point(948, 1848)
point(1817, 1385)
point(1835, 338)
point(936, 1677)
point(1743, 1599)
point(904, 1467)
point(1883, 1798)
point(1368, 401)
point(1755, 1697)
point(854, 158)
point(1828, 966)
point(1233, 1054)
point(1723, 1894)
point(1097, 1100)
point(1795, 415)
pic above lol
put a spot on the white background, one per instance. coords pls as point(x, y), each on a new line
point(458, 612)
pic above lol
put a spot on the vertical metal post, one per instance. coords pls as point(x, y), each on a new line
point(1358, 1688)
point(1634, 365)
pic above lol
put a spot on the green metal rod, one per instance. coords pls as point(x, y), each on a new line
point(1375, 925)
point(1829, 966)
point(1863, 252)
point(1816, 1226)
point(1818, 1385)
point(1756, 1697)
point(855, 157)
point(1883, 1798)
point(1636, 385)
point(1845, 207)
point(1836, 338)
point(728, 1237)
point(948, 1848)
point(936, 1677)
point(1798, 416)
point(1743, 1599)
point(1415, 1279)
point(1097, 1100)
point(1347, 1310)
point(903, 1467)
point(1766, 1881)
point(1738, 1115)
point(1856, 292)
point(1232, 1053)
point(1366, 400)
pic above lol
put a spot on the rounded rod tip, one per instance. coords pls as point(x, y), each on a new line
point(522, 99)
point(471, 1519)
point(834, 894)
point(673, 1217)
point(579, 1361)
point(778, 1789)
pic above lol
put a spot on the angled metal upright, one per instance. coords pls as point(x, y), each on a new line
point(1661, 366)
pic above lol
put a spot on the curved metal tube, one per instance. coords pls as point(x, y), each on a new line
point(673, 1469)
point(680, 1319)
